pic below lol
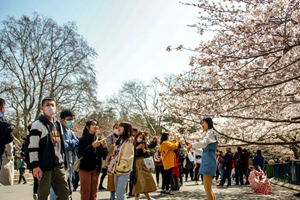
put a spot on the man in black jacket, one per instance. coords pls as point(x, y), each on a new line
point(47, 153)
point(6, 133)
point(227, 166)
point(6, 139)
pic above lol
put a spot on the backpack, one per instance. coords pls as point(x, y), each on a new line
point(157, 158)
point(238, 160)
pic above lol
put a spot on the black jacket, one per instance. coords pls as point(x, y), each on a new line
point(91, 156)
point(227, 161)
point(6, 134)
point(43, 148)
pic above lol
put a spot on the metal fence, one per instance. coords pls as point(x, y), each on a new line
point(289, 172)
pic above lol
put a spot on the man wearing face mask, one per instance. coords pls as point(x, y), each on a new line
point(47, 153)
point(71, 145)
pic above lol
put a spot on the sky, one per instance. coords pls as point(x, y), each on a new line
point(129, 36)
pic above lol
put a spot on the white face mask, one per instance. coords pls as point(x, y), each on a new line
point(116, 131)
point(50, 111)
point(139, 140)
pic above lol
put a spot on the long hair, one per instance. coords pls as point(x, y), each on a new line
point(164, 137)
point(127, 132)
point(144, 138)
point(88, 124)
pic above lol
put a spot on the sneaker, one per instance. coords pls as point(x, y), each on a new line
point(25, 183)
point(35, 197)
point(102, 188)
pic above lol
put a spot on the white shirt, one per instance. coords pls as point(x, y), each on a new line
point(208, 138)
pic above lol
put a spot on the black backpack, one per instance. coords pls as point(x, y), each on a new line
point(238, 160)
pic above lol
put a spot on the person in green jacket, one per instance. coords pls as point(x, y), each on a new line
point(21, 167)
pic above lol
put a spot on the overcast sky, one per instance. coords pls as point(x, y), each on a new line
point(129, 36)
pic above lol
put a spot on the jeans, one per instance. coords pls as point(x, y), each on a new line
point(221, 170)
point(52, 194)
point(112, 195)
point(120, 184)
point(227, 175)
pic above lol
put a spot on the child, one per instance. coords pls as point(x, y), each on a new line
point(21, 167)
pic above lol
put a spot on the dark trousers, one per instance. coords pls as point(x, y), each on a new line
point(227, 174)
point(131, 184)
point(22, 177)
point(35, 185)
point(197, 175)
point(104, 173)
point(57, 180)
point(75, 180)
point(180, 174)
point(217, 173)
point(187, 172)
point(69, 185)
point(239, 176)
point(159, 170)
point(167, 179)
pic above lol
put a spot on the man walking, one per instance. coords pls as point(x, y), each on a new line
point(227, 166)
point(71, 145)
point(6, 147)
point(239, 165)
point(47, 153)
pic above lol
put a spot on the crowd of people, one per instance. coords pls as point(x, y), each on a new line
point(123, 158)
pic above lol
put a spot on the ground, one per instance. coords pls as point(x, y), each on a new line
point(189, 191)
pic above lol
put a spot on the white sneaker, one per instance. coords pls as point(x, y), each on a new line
point(35, 197)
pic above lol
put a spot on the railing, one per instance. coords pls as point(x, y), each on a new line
point(289, 172)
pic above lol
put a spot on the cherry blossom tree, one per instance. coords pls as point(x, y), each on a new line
point(247, 77)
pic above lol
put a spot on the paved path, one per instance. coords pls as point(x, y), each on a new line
point(189, 191)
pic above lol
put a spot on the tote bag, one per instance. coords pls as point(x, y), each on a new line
point(77, 164)
point(149, 162)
